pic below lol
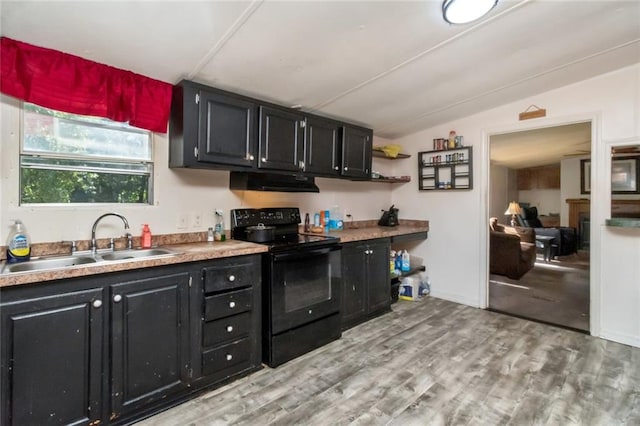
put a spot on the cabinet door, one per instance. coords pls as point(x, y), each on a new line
point(379, 297)
point(357, 144)
point(281, 140)
point(226, 130)
point(150, 340)
point(52, 359)
point(353, 284)
point(321, 148)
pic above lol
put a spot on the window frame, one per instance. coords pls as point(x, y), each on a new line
point(148, 164)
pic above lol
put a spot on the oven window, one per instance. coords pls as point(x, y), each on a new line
point(307, 281)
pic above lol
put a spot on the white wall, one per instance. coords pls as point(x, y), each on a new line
point(499, 199)
point(545, 200)
point(178, 192)
point(456, 253)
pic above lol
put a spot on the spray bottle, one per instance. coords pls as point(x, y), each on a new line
point(219, 234)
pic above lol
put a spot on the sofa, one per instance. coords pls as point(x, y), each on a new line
point(565, 240)
point(512, 250)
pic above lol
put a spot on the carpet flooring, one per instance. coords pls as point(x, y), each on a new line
point(556, 292)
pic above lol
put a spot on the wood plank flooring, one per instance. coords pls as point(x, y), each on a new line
point(434, 362)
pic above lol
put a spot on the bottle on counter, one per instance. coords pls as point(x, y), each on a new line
point(210, 234)
point(406, 262)
point(316, 219)
point(18, 243)
point(219, 234)
point(307, 224)
point(145, 238)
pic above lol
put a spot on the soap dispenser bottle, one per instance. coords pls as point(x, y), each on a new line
point(18, 243)
point(145, 239)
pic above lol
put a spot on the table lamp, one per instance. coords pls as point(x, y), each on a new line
point(513, 210)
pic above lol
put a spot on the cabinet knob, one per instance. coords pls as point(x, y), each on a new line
point(336, 168)
point(97, 303)
point(346, 169)
point(229, 328)
point(117, 298)
point(229, 357)
point(264, 160)
point(232, 304)
point(310, 311)
point(250, 157)
point(232, 278)
point(301, 164)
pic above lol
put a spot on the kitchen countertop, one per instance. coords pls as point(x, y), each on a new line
point(197, 251)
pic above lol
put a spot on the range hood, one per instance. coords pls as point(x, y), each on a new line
point(251, 181)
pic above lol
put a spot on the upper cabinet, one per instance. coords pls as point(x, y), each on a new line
point(543, 177)
point(281, 140)
point(211, 128)
point(357, 146)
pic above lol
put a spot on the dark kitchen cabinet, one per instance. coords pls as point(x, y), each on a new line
point(229, 326)
point(322, 147)
point(52, 348)
point(210, 128)
point(365, 280)
point(281, 140)
point(149, 340)
point(357, 147)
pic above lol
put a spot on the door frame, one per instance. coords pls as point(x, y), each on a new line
point(600, 196)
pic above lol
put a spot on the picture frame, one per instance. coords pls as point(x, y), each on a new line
point(625, 175)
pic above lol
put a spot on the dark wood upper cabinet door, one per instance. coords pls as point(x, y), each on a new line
point(52, 360)
point(281, 140)
point(150, 340)
point(322, 147)
point(357, 145)
point(226, 130)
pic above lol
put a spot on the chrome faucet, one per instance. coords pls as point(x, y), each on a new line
point(94, 246)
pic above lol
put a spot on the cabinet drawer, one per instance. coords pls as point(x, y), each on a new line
point(230, 328)
point(227, 304)
point(229, 275)
point(226, 356)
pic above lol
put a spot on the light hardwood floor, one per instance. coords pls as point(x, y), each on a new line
point(435, 362)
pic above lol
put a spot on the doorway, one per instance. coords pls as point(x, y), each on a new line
point(543, 275)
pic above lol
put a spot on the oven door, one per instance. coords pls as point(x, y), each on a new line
point(304, 286)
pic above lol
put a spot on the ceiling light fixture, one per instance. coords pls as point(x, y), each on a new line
point(465, 11)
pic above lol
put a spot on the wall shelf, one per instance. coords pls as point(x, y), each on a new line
point(397, 179)
point(446, 170)
point(381, 154)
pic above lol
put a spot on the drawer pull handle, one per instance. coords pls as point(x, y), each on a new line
point(229, 328)
point(229, 357)
point(232, 278)
point(232, 304)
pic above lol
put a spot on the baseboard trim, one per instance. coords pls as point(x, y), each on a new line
point(624, 338)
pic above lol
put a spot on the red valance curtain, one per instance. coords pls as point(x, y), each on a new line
point(68, 83)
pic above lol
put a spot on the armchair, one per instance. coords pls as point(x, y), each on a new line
point(565, 237)
point(512, 251)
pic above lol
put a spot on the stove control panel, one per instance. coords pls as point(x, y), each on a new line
point(266, 216)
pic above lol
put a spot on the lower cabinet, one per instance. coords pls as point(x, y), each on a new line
point(51, 372)
point(149, 340)
point(365, 280)
point(111, 348)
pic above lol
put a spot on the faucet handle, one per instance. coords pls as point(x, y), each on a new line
point(129, 240)
point(73, 244)
point(112, 244)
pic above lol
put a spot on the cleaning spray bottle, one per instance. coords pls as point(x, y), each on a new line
point(219, 234)
point(18, 243)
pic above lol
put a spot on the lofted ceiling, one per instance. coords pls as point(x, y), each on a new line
point(394, 66)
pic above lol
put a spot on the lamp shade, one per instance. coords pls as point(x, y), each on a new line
point(465, 11)
point(514, 208)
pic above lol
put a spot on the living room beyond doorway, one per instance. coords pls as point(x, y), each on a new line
point(536, 268)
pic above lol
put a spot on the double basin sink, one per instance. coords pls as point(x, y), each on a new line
point(86, 258)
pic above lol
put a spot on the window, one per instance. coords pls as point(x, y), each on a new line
point(68, 158)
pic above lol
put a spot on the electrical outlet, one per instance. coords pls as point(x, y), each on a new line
point(182, 221)
point(196, 219)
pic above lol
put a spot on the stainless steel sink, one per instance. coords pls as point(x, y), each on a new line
point(49, 263)
point(137, 254)
point(86, 258)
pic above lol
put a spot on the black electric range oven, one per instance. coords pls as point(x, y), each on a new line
point(301, 281)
